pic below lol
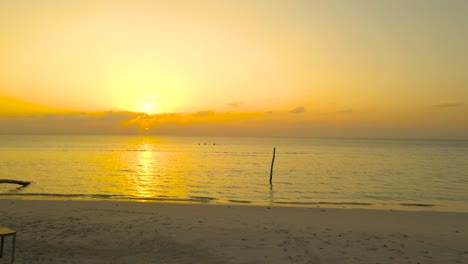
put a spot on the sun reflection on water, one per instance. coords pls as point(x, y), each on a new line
point(151, 176)
point(145, 179)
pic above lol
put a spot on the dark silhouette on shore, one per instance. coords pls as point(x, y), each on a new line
point(23, 183)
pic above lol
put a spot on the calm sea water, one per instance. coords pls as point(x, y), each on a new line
point(398, 174)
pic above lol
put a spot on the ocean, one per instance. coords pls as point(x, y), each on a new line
point(346, 173)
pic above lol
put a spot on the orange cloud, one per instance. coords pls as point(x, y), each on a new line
point(209, 116)
point(297, 110)
point(234, 105)
point(448, 105)
point(10, 105)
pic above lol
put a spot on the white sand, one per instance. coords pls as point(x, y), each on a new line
point(125, 232)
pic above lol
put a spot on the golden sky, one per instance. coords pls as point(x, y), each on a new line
point(383, 68)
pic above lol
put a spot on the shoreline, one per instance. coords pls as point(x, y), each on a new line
point(57, 231)
point(402, 206)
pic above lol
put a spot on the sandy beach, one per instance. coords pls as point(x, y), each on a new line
point(130, 232)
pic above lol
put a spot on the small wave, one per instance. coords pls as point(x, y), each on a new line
point(169, 199)
point(326, 203)
point(202, 198)
point(295, 202)
point(127, 170)
point(418, 204)
point(68, 195)
point(239, 201)
point(197, 199)
point(138, 150)
point(112, 197)
point(346, 203)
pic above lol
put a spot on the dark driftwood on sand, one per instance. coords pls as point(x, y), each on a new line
point(24, 183)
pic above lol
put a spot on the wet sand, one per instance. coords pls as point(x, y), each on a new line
point(132, 232)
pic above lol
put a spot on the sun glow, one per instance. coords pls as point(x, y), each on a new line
point(149, 108)
point(141, 90)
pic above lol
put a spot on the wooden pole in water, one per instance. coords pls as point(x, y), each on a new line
point(272, 162)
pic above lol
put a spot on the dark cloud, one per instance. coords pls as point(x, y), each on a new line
point(205, 113)
point(116, 116)
point(234, 105)
point(448, 105)
point(297, 110)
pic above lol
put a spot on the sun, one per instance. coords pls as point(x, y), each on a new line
point(149, 108)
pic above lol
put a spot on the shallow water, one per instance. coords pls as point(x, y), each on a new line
point(399, 174)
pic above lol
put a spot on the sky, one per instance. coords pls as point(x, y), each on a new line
point(264, 67)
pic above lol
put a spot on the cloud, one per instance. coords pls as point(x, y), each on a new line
point(448, 105)
point(297, 110)
point(205, 113)
point(68, 123)
point(234, 105)
point(144, 122)
point(117, 116)
point(216, 124)
point(345, 111)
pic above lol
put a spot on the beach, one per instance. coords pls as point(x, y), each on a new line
point(136, 232)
